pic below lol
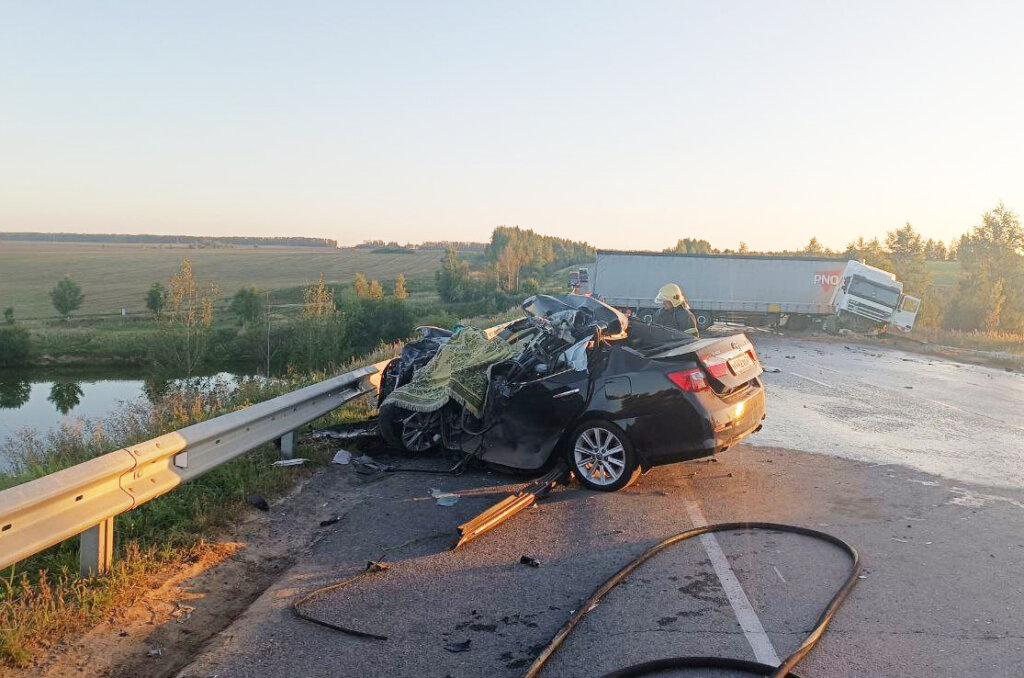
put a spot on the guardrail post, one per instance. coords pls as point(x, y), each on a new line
point(288, 445)
point(96, 549)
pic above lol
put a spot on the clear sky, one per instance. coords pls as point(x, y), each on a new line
point(627, 124)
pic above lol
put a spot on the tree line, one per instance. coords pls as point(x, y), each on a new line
point(198, 240)
point(988, 296)
point(512, 266)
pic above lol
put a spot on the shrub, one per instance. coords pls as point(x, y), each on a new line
point(15, 346)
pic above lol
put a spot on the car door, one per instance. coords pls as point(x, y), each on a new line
point(906, 312)
point(533, 419)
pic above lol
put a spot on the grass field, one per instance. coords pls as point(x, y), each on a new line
point(115, 276)
point(944, 272)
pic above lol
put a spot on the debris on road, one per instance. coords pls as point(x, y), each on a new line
point(772, 370)
point(511, 505)
point(444, 498)
point(342, 457)
point(365, 465)
point(259, 502)
point(529, 560)
point(299, 461)
point(330, 521)
point(155, 652)
point(458, 647)
point(372, 566)
point(362, 429)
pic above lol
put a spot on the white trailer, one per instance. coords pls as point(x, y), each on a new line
point(753, 288)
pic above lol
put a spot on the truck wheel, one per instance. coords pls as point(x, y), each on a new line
point(602, 457)
point(705, 319)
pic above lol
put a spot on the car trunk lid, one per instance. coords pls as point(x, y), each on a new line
point(729, 362)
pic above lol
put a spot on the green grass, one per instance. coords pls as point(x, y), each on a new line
point(116, 276)
point(944, 273)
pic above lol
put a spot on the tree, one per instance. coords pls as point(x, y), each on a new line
point(990, 294)
point(529, 286)
point(156, 299)
point(906, 251)
point(9, 315)
point(934, 250)
point(247, 305)
point(453, 277)
point(815, 249)
point(319, 299)
point(691, 246)
point(743, 249)
point(400, 292)
point(375, 291)
point(15, 347)
point(362, 286)
point(870, 252)
point(66, 297)
point(187, 321)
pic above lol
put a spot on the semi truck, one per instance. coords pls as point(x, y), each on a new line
point(762, 290)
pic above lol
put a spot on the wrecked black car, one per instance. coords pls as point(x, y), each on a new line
point(573, 379)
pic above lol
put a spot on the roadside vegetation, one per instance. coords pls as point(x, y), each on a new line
point(322, 331)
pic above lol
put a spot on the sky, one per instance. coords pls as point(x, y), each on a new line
point(625, 124)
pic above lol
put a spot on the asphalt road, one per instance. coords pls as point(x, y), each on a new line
point(941, 594)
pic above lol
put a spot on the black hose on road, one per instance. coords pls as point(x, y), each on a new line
point(751, 668)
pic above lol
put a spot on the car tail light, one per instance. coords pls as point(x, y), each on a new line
point(689, 380)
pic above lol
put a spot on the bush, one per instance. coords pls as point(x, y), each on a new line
point(371, 322)
point(15, 346)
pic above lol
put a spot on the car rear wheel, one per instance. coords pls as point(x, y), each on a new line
point(602, 457)
point(406, 430)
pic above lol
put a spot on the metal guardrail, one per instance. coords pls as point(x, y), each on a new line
point(84, 499)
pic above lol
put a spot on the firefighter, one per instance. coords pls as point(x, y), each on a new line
point(674, 312)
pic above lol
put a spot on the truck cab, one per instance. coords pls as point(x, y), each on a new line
point(874, 294)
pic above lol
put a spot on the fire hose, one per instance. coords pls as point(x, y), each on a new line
point(784, 670)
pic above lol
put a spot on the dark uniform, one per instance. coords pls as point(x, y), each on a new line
point(679, 318)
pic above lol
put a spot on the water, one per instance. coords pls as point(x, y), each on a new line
point(45, 400)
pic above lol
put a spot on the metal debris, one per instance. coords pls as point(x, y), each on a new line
point(529, 560)
point(342, 457)
point(362, 429)
point(458, 647)
point(299, 461)
point(511, 505)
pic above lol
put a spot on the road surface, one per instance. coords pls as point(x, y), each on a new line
point(928, 482)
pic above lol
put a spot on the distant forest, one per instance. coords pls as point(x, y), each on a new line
point(193, 240)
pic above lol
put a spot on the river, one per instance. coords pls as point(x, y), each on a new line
point(43, 400)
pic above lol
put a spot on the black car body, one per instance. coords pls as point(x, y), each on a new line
point(614, 398)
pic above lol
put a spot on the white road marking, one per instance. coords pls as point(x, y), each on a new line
point(751, 625)
point(815, 381)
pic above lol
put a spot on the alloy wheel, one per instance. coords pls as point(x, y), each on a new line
point(600, 456)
